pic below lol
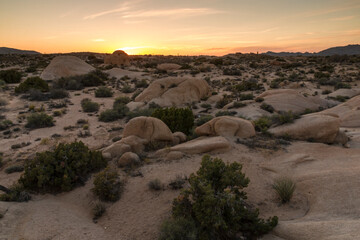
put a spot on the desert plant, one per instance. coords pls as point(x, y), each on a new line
point(39, 120)
point(284, 187)
point(225, 113)
point(5, 124)
point(267, 107)
point(177, 119)
point(98, 210)
point(284, 117)
point(216, 203)
point(178, 229)
point(32, 83)
point(13, 169)
point(89, 106)
point(203, 119)
point(141, 84)
point(107, 185)
point(16, 193)
point(121, 100)
point(58, 93)
point(10, 76)
point(178, 182)
point(103, 92)
point(62, 169)
point(155, 184)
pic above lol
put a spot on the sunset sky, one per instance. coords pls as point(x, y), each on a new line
point(187, 27)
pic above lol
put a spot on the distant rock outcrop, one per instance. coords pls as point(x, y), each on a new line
point(227, 126)
point(5, 50)
point(118, 58)
point(175, 91)
point(65, 66)
point(291, 100)
point(168, 66)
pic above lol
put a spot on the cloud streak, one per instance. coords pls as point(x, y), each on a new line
point(177, 12)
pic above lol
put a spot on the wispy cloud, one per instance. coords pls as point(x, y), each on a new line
point(99, 14)
point(342, 18)
point(98, 40)
point(183, 12)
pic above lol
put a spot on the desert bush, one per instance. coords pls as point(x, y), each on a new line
point(178, 182)
point(109, 115)
point(243, 97)
point(178, 229)
point(39, 120)
point(238, 105)
point(155, 184)
point(16, 193)
point(91, 79)
point(342, 85)
point(267, 107)
point(203, 119)
point(103, 92)
point(37, 95)
point(284, 117)
point(141, 84)
point(5, 124)
point(89, 106)
point(13, 169)
point(223, 102)
point(147, 112)
point(32, 83)
point(62, 169)
point(205, 105)
point(177, 119)
point(10, 76)
point(98, 210)
point(225, 113)
point(58, 93)
point(232, 71)
point(216, 203)
point(127, 89)
point(249, 85)
point(285, 188)
point(122, 100)
point(107, 185)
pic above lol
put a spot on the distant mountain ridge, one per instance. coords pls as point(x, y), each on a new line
point(353, 49)
point(6, 50)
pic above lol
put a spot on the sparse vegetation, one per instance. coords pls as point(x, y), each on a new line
point(89, 106)
point(103, 92)
point(218, 186)
point(39, 120)
point(284, 187)
point(62, 169)
point(10, 76)
point(32, 83)
point(155, 184)
point(177, 119)
point(107, 185)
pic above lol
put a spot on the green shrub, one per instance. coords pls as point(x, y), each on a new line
point(107, 185)
point(285, 188)
point(225, 113)
point(178, 229)
point(58, 93)
point(37, 95)
point(10, 76)
point(249, 96)
point(103, 92)
point(127, 89)
point(39, 120)
point(177, 119)
point(147, 112)
point(32, 83)
point(216, 203)
point(284, 117)
point(342, 85)
point(13, 169)
point(141, 84)
point(5, 124)
point(122, 100)
point(89, 106)
point(249, 85)
point(203, 119)
point(267, 107)
point(92, 79)
point(109, 115)
point(98, 210)
point(206, 105)
point(62, 169)
point(16, 193)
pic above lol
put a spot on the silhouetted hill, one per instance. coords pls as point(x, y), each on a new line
point(345, 50)
point(5, 50)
